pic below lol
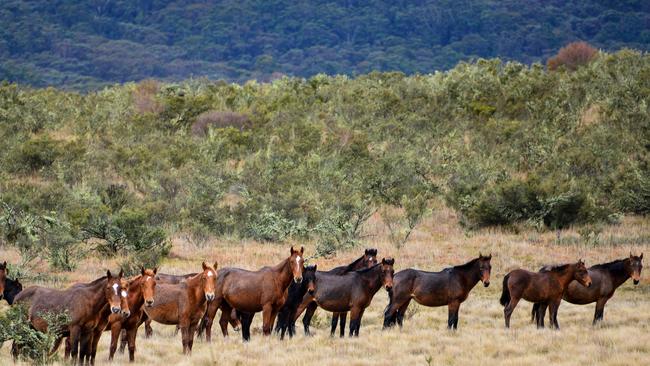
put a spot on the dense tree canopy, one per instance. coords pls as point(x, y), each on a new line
point(86, 44)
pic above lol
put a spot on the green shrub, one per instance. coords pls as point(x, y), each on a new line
point(32, 345)
point(37, 152)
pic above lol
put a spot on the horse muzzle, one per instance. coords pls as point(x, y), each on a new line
point(126, 314)
point(636, 282)
point(310, 291)
point(486, 283)
point(209, 296)
point(149, 303)
point(115, 309)
point(388, 287)
point(297, 280)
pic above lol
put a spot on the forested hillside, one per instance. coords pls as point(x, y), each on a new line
point(312, 159)
point(86, 44)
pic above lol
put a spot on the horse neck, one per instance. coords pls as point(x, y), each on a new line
point(565, 277)
point(98, 299)
point(469, 274)
point(618, 273)
point(194, 288)
point(372, 278)
point(136, 298)
point(283, 271)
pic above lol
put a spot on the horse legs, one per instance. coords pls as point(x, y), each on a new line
point(226, 315)
point(75, 334)
point(306, 320)
point(355, 321)
point(185, 330)
point(540, 314)
point(509, 308)
point(553, 308)
point(600, 310)
point(343, 318)
point(246, 320)
point(267, 319)
point(335, 322)
point(131, 335)
point(452, 318)
point(116, 330)
point(148, 330)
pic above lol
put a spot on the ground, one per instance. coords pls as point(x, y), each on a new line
point(481, 338)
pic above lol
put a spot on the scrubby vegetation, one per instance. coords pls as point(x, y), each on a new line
point(84, 45)
point(500, 142)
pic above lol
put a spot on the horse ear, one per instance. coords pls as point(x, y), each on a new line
point(302, 250)
point(292, 250)
point(215, 265)
point(641, 256)
point(142, 270)
point(121, 274)
point(155, 270)
point(480, 255)
point(489, 256)
point(631, 254)
point(205, 266)
point(315, 267)
point(108, 273)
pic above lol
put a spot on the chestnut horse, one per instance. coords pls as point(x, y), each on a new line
point(84, 304)
point(545, 287)
point(141, 293)
point(253, 291)
point(367, 260)
point(450, 287)
point(295, 294)
point(184, 303)
point(227, 318)
point(606, 278)
point(352, 291)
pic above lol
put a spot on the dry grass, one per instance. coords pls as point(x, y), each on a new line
point(481, 338)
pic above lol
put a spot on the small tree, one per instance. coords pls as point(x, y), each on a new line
point(572, 56)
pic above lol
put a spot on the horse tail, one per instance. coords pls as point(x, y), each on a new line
point(533, 313)
point(505, 294)
point(389, 319)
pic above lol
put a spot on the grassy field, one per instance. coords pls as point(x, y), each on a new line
point(439, 242)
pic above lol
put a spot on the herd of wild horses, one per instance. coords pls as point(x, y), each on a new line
point(286, 290)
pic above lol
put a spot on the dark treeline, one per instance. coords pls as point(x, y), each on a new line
point(500, 143)
point(86, 44)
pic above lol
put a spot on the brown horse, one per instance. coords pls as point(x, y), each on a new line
point(84, 303)
point(606, 278)
point(253, 291)
point(367, 260)
point(184, 303)
point(225, 318)
point(352, 291)
point(141, 293)
point(545, 287)
point(3, 277)
point(449, 287)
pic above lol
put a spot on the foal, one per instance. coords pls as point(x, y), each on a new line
point(606, 278)
point(449, 287)
point(352, 291)
point(253, 291)
point(184, 303)
point(545, 287)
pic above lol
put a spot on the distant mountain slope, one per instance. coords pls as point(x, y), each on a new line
point(85, 44)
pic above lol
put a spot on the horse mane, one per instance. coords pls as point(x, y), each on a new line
point(97, 280)
point(617, 264)
point(557, 267)
point(364, 270)
point(465, 265)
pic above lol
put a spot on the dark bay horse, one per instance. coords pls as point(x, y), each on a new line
point(352, 291)
point(252, 291)
point(3, 277)
point(295, 294)
point(84, 304)
point(367, 260)
point(545, 287)
point(449, 287)
point(141, 293)
point(12, 288)
point(184, 303)
point(605, 279)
